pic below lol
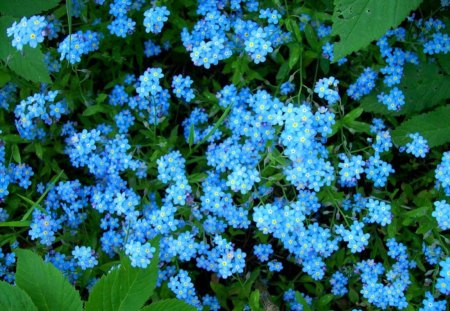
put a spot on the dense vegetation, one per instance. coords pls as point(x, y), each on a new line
point(224, 155)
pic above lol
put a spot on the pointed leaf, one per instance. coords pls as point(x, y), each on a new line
point(45, 284)
point(433, 126)
point(13, 298)
point(359, 22)
point(124, 288)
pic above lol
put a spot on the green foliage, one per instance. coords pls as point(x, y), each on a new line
point(423, 85)
point(433, 126)
point(169, 305)
point(12, 298)
point(124, 288)
point(359, 22)
point(19, 8)
point(47, 287)
point(41, 286)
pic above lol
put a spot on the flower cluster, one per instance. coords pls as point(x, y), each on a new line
point(77, 44)
point(418, 147)
point(442, 173)
point(36, 110)
point(442, 214)
point(154, 19)
point(29, 31)
point(182, 87)
point(327, 88)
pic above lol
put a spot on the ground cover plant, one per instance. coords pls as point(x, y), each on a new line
point(224, 155)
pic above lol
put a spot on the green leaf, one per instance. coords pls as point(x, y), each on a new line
point(191, 135)
point(254, 300)
point(423, 85)
point(22, 223)
point(353, 115)
point(300, 299)
point(292, 27)
point(433, 126)
point(4, 78)
point(16, 154)
point(19, 8)
point(312, 39)
point(359, 22)
point(94, 109)
point(45, 284)
point(125, 288)
point(13, 298)
point(324, 300)
point(29, 64)
point(39, 151)
point(169, 305)
point(295, 52)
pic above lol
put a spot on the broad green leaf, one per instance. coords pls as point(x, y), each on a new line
point(124, 288)
point(29, 64)
point(45, 284)
point(6, 48)
point(13, 298)
point(359, 22)
point(423, 85)
point(169, 305)
point(19, 8)
point(433, 126)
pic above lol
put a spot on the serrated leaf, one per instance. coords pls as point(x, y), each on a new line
point(125, 288)
point(45, 284)
point(169, 305)
point(30, 66)
point(359, 22)
point(423, 85)
point(13, 298)
point(433, 126)
point(19, 8)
